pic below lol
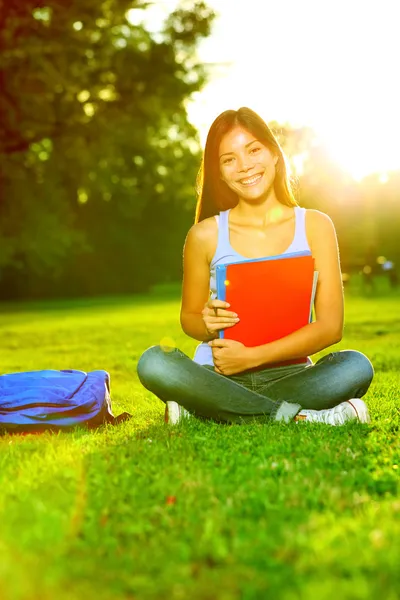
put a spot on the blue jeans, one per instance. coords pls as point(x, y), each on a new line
point(273, 393)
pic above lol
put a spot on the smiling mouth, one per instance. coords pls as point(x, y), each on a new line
point(251, 180)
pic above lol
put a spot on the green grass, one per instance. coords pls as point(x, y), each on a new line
point(199, 511)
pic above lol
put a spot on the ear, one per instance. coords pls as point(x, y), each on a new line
point(276, 159)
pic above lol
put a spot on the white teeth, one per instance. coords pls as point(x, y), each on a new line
point(250, 180)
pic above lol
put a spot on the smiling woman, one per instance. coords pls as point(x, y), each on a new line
point(232, 149)
point(246, 210)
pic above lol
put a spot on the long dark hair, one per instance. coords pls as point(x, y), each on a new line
point(213, 194)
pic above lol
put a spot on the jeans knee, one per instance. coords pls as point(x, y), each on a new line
point(151, 365)
point(361, 365)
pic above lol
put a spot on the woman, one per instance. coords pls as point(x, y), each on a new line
point(246, 210)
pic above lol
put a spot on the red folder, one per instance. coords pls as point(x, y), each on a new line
point(272, 297)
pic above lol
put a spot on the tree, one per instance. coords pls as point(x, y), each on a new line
point(98, 157)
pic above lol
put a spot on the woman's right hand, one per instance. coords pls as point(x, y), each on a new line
point(216, 316)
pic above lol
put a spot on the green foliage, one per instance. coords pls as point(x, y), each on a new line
point(98, 157)
point(199, 510)
point(98, 160)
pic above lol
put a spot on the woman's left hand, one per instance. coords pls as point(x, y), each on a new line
point(230, 356)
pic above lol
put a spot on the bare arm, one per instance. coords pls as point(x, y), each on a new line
point(328, 326)
point(198, 317)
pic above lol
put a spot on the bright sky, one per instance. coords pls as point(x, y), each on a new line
point(330, 64)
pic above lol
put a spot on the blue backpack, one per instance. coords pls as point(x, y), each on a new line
point(57, 400)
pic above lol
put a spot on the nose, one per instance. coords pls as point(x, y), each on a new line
point(243, 164)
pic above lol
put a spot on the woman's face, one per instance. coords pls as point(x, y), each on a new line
point(246, 165)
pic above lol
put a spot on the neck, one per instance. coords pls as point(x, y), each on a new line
point(261, 213)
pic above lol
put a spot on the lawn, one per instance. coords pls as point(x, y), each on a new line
point(199, 511)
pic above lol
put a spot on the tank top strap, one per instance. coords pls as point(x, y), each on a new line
point(223, 230)
point(300, 241)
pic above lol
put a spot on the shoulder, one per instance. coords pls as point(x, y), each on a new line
point(318, 222)
point(204, 237)
point(319, 228)
point(203, 230)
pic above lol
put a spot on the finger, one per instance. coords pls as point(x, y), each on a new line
point(218, 304)
point(213, 328)
point(221, 313)
point(219, 343)
point(211, 319)
point(221, 320)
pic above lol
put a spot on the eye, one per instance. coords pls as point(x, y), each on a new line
point(227, 161)
point(255, 149)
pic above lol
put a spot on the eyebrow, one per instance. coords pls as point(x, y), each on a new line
point(246, 146)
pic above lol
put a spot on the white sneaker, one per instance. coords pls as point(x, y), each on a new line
point(351, 410)
point(174, 413)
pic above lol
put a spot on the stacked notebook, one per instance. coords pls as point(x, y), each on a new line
point(273, 296)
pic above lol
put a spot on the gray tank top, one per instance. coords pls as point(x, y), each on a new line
point(225, 254)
